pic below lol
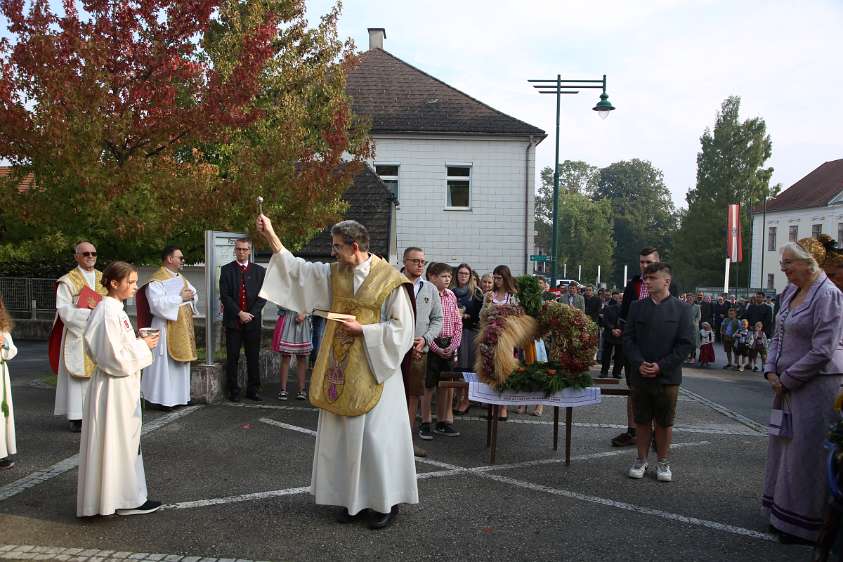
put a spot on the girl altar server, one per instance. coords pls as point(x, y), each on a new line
point(7, 415)
point(111, 476)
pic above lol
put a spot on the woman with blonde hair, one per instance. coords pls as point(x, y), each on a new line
point(8, 446)
point(805, 370)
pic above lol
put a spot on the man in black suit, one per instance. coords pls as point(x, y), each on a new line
point(758, 311)
point(658, 336)
point(240, 283)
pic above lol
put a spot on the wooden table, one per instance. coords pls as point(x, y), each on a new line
point(451, 380)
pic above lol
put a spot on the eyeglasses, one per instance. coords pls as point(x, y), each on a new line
point(417, 261)
point(87, 254)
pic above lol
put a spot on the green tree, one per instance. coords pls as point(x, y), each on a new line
point(147, 122)
point(584, 225)
point(642, 211)
point(575, 176)
point(729, 170)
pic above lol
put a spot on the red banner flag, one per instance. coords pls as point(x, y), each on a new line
point(734, 242)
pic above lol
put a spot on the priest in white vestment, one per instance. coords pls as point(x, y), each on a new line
point(67, 353)
point(111, 476)
point(364, 450)
point(8, 351)
point(172, 304)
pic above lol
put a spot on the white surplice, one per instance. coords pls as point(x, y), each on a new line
point(7, 424)
point(364, 461)
point(70, 391)
point(111, 473)
point(166, 381)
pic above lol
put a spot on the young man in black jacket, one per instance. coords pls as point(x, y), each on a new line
point(635, 290)
point(658, 337)
point(612, 337)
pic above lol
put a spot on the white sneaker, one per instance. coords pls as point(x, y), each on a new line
point(638, 468)
point(663, 473)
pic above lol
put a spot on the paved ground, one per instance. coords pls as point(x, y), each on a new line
point(234, 480)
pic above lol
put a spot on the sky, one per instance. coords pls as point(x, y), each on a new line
point(669, 66)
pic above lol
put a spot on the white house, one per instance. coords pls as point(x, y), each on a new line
point(811, 206)
point(462, 172)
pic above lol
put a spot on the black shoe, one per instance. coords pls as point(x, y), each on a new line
point(148, 507)
point(382, 520)
point(6, 464)
point(254, 396)
point(424, 432)
point(343, 516)
point(234, 397)
point(75, 426)
point(604, 375)
point(446, 429)
point(616, 375)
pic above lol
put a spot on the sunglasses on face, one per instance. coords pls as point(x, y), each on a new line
point(88, 254)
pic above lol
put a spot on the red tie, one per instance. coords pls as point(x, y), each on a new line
point(243, 269)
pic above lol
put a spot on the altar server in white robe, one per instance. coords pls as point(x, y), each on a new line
point(8, 351)
point(111, 476)
point(363, 460)
point(172, 305)
point(67, 353)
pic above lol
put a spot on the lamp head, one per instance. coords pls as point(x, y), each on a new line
point(604, 106)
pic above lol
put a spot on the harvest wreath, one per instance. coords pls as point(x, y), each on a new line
point(571, 339)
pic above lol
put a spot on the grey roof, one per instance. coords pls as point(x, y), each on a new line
point(370, 204)
point(400, 98)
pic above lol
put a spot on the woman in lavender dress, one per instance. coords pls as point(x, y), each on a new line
point(805, 369)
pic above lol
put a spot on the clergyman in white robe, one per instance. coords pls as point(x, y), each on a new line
point(364, 461)
point(166, 382)
point(70, 390)
point(111, 475)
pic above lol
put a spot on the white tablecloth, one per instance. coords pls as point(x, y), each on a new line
point(567, 398)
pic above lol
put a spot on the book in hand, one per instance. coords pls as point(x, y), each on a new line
point(88, 298)
point(334, 315)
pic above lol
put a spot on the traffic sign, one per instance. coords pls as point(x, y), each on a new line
point(539, 258)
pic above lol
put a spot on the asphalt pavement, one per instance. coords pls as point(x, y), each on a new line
point(234, 480)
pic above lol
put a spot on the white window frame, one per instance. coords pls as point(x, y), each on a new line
point(771, 281)
point(815, 231)
point(791, 235)
point(391, 178)
point(448, 178)
point(772, 232)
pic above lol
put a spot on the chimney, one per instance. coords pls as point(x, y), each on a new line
point(376, 37)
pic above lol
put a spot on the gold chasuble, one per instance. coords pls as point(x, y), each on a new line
point(76, 281)
point(342, 381)
point(181, 339)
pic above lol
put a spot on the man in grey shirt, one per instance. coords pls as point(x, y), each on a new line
point(658, 336)
point(428, 326)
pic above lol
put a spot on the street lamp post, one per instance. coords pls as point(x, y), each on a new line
point(603, 107)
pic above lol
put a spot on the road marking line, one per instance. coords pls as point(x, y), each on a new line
point(41, 476)
point(484, 472)
point(680, 429)
point(721, 409)
point(287, 426)
point(714, 525)
point(238, 498)
point(270, 407)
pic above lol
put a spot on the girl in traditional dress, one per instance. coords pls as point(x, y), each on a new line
point(111, 476)
point(706, 345)
point(503, 292)
point(293, 336)
point(7, 415)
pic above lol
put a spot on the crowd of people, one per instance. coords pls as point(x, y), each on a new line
point(381, 340)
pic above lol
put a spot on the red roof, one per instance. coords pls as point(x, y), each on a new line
point(25, 184)
point(817, 189)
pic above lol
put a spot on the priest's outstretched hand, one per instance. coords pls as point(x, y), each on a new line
point(264, 226)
